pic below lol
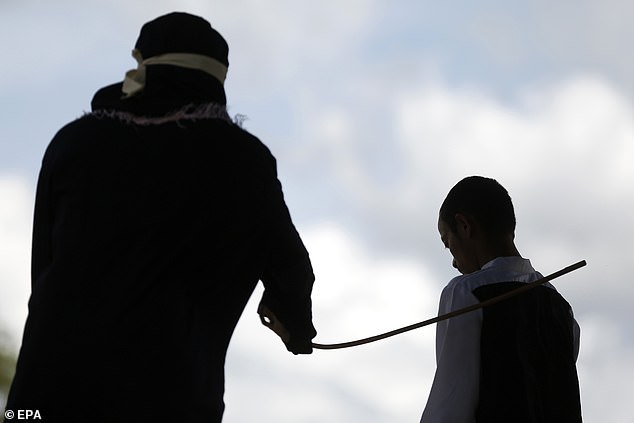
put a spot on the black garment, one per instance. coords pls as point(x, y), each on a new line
point(528, 371)
point(148, 241)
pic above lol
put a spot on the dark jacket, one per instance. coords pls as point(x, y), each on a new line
point(527, 370)
point(148, 240)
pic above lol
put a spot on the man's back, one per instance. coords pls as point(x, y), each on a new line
point(148, 242)
point(527, 357)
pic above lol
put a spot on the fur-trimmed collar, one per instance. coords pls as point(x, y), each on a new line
point(191, 112)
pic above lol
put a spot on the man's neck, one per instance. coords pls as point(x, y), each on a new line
point(497, 248)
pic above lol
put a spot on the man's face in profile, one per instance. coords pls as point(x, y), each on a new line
point(456, 243)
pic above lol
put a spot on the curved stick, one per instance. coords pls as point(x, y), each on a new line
point(455, 313)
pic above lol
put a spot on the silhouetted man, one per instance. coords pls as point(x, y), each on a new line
point(509, 362)
point(155, 217)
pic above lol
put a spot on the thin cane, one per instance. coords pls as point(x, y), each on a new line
point(455, 313)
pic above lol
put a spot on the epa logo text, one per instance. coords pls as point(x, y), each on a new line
point(22, 415)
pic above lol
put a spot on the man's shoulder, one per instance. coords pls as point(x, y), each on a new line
point(72, 137)
point(503, 269)
point(459, 291)
point(80, 124)
point(471, 281)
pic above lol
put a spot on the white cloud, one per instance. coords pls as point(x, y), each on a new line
point(15, 244)
point(605, 369)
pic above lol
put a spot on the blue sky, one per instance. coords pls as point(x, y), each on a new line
point(374, 110)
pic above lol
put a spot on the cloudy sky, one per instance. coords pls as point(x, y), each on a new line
point(374, 109)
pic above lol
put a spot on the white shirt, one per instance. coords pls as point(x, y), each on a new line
point(454, 393)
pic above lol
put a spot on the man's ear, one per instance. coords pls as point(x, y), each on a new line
point(464, 226)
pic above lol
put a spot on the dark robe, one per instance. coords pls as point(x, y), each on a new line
point(148, 241)
point(527, 372)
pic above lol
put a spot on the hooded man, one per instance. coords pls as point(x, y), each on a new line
point(155, 217)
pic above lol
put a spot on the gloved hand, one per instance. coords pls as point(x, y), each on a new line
point(270, 320)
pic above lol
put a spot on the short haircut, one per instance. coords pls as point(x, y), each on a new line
point(484, 200)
